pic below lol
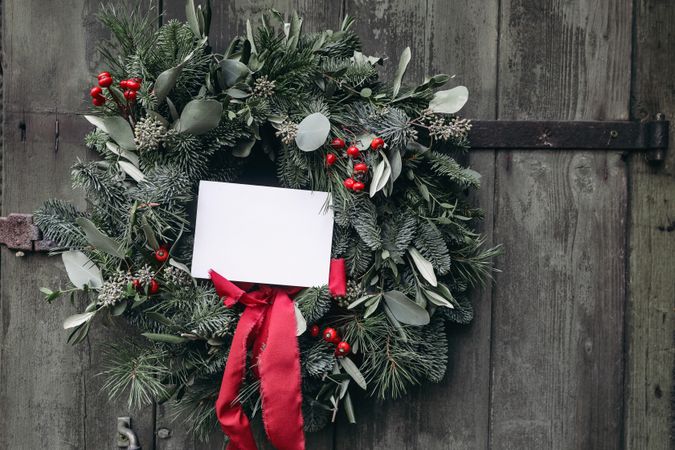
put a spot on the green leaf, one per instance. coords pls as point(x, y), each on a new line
point(149, 233)
point(79, 333)
point(312, 132)
point(119, 308)
point(449, 101)
point(178, 265)
point(353, 371)
point(81, 270)
point(117, 128)
point(366, 92)
point(191, 15)
point(358, 301)
point(405, 310)
point(132, 171)
point(400, 71)
point(401, 332)
point(167, 338)
point(300, 322)
point(243, 149)
point(99, 240)
point(425, 268)
point(233, 71)
point(395, 162)
point(77, 320)
point(437, 299)
point(349, 409)
point(200, 116)
point(381, 176)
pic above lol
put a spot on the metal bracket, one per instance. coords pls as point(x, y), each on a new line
point(126, 438)
point(650, 137)
point(18, 232)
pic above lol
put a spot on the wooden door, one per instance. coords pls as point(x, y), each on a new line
point(571, 348)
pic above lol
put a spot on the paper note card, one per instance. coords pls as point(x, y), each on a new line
point(263, 234)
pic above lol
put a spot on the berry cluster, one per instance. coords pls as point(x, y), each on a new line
point(130, 88)
point(330, 335)
point(356, 182)
point(161, 255)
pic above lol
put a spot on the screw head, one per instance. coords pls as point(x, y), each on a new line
point(163, 433)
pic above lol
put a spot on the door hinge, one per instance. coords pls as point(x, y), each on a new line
point(18, 232)
point(649, 136)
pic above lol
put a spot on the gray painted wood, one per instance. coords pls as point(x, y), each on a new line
point(649, 315)
point(557, 341)
point(444, 38)
point(49, 391)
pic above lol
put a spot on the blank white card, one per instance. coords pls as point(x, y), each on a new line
point(263, 234)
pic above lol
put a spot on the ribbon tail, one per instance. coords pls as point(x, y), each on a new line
point(230, 412)
point(279, 366)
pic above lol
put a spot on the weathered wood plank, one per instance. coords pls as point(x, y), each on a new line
point(651, 244)
point(229, 20)
point(557, 365)
point(458, 38)
point(43, 380)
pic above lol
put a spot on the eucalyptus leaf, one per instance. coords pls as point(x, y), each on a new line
point(425, 268)
point(179, 265)
point(243, 149)
point(126, 154)
point(437, 299)
point(77, 320)
point(381, 176)
point(392, 319)
point(131, 170)
point(165, 82)
point(117, 128)
point(233, 71)
point(395, 161)
point(353, 371)
point(81, 270)
point(370, 309)
point(400, 71)
point(119, 309)
point(168, 338)
point(349, 409)
point(449, 101)
point(200, 116)
point(99, 240)
point(312, 132)
point(149, 233)
point(191, 15)
point(300, 322)
point(405, 310)
point(358, 301)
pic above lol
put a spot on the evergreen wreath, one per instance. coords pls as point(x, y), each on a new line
point(311, 107)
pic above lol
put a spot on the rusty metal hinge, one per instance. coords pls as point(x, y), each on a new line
point(649, 136)
point(18, 232)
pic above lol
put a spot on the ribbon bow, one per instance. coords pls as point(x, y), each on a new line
point(268, 326)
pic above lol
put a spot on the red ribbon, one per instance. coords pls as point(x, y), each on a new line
point(268, 326)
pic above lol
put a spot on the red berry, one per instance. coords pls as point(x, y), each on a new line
point(376, 143)
point(337, 143)
point(95, 91)
point(361, 167)
point(99, 100)
point(349, 183)
point(124, 85)
point(330, 335)
point(136, 284)
point(330, 159)
point(314, 331)
point(134, 86)
point(161, 255)
point(358, 186)
point(103, 75)
point(130, 95)
point(105, 81)
point(154, 287)
point(353, 151)
point(343, 348)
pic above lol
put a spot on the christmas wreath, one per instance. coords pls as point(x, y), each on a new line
point(310, 110)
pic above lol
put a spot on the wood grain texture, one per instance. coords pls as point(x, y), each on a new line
point(557, 341)
point(651, 293)
point(455, 38)
point(51, 388)
point(229, 20)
